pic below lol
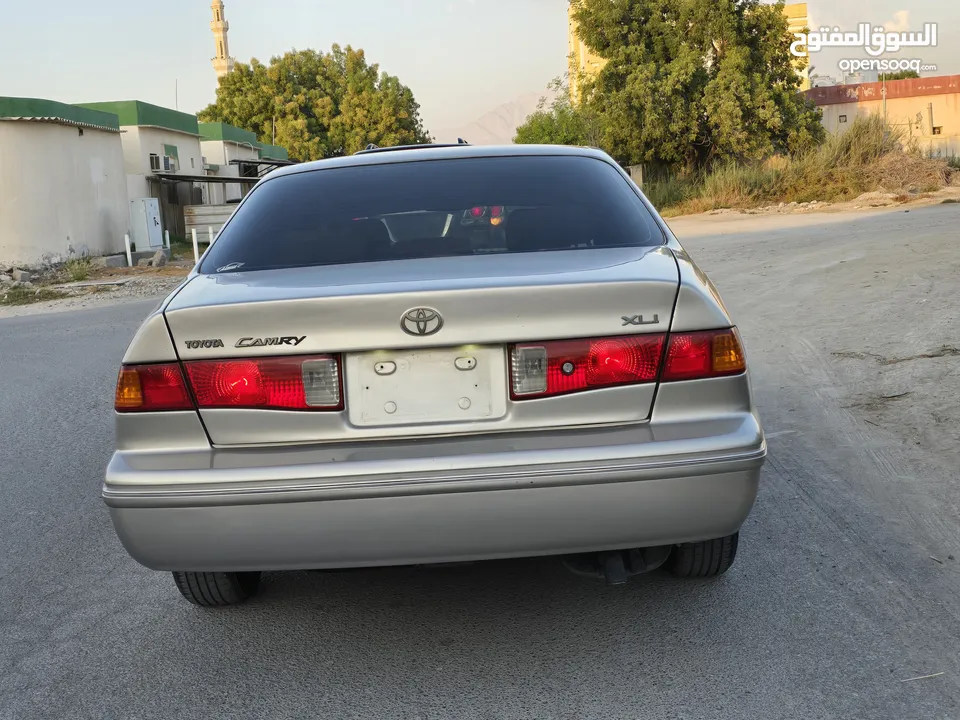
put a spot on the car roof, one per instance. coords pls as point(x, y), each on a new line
point(418, 153)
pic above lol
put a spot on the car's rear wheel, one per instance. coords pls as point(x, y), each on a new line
point(217, 589)
point(709, 558)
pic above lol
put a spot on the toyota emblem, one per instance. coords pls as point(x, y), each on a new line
point(421, 322)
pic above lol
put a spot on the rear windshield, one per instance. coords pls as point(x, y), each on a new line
point(434, 208)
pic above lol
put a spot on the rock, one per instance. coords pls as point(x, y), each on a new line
point(781, 205)
point(16, 284)
point(144, 262)
point(5, 279)
point(21, 275)
point(159, 259)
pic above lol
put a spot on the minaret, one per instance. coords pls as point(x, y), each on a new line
point(222, 62)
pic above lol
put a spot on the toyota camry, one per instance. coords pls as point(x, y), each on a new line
point(436, 354)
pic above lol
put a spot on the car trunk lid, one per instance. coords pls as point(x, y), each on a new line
point(422, 314)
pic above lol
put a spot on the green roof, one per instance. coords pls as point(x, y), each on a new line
point(37, 110)
point(135, 112)
point(272, 152)
point(227, 133)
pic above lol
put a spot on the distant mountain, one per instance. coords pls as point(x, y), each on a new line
point(498, 126)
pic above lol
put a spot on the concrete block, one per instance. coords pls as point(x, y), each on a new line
point(22, 276)
point(110, 261)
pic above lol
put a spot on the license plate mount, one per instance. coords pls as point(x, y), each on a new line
point(424, 387)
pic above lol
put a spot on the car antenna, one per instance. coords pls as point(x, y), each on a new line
point(461, 141)
point(372, 146)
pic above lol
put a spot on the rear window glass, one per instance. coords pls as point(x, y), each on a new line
point(434, 208)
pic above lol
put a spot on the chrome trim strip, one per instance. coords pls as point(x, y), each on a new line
point(405, 484)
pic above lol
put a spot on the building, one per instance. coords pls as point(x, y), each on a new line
point(273, 153)
point(155, 140)
point(798, 20)
point(860, 77)
point(63, 188)
point(222, 62)
point(160, 145)
point(926, 109)
point(584, 63)
point(224, 148)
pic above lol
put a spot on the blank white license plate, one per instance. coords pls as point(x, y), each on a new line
point(426, 386)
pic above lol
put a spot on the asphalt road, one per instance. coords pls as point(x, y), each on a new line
point(835, 599)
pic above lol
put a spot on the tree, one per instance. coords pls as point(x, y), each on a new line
point(900, 75)
point(562, 123)
point(688, 82)
point(320, 104)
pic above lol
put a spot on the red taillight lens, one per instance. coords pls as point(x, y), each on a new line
point(496, 211)
point(294, 383)
point(477, 212)
point(567, 366)
point(151, 388)
point(714, 353)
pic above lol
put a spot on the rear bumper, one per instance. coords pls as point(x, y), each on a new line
point(204, 512)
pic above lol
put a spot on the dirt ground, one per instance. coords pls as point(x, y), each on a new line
point(860, 312)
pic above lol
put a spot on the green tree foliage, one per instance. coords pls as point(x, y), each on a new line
point(688, 82)
point(323, 104)
point(560, 123)
point(900, 75)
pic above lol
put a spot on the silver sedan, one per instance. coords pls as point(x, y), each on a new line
point(433, 355)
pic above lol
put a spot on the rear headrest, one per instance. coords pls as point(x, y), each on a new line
point(549, 228)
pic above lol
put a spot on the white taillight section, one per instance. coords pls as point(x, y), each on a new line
point(321, 382)
point(528, 370)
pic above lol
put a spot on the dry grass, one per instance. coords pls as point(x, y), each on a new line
point(869, 157)
point(27, 295)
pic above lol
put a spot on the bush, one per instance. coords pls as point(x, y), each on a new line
point(669, 192)
point(77, 269)
point(869, 156)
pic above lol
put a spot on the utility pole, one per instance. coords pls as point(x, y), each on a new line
point(883, 92)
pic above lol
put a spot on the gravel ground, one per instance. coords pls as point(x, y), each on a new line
point(137, 288)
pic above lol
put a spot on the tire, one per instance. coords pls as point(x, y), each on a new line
point(706, 559)
point(217, 589)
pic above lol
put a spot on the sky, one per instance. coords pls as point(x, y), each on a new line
point(461, 58)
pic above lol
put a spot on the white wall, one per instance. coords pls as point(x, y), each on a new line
point(139, 142)
point(61, 193)
point(218, 152)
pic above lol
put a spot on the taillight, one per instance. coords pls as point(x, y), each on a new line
point(294, 383)
point(496, 211)
point(568, 366)
point(151, 388)
point(714, 353)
